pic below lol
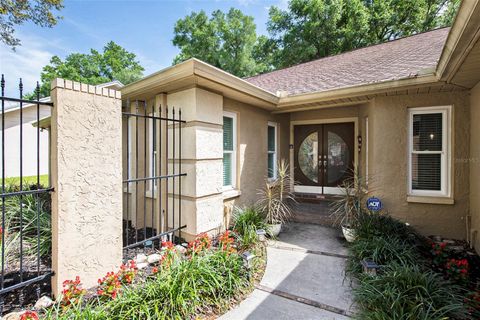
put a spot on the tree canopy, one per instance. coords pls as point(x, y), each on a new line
point(114, 63)
point(311, 29)
point(306, 30)
point(14, 12)
point(225, 40)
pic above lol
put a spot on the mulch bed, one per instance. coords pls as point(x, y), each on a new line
point(12, 301)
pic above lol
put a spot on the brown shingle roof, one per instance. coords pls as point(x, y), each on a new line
point(393, 60)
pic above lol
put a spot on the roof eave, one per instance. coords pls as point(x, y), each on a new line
point(357, 91)
point(463, 35)
point(194, 72)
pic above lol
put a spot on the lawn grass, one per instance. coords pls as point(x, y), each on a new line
point(28, 180)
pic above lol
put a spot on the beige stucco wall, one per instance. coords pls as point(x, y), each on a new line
point(474, 163)
point(87, 178)
point(202, 141)
point(388, 162)
point(252, 126)
point(387, 157)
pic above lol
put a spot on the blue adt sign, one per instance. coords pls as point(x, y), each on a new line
point(374, 204)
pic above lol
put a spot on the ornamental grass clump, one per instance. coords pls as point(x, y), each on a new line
point(244, 218)
point(408, 292)
point(405, 287)
point(383, 250)
point(189, 287)
point(276, 198)
point(246, 222)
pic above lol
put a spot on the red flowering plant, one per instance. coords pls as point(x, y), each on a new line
point(72, 292)
point(439, 254)
point(201, 243)
point(169, 254)
point(473, 304)
point(127, 272)
point(109, 286)
point(457, 269)
point(226, 242)
point(29, 315)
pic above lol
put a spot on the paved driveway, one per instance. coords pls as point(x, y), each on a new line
point(304, 278)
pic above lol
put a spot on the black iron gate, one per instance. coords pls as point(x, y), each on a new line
point(152, 140)
point(25, 203)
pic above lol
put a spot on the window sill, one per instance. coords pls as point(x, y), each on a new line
point(230, 194)
point(431, 200)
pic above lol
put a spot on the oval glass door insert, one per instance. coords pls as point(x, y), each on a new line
point(308, 157)
point(338, 157)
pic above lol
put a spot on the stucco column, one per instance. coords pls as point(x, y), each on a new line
point(202, 154)
point(87, 177)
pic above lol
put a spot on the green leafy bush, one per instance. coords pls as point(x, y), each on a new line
point(409, 293)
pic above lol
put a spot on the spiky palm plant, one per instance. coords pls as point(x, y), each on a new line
point(276, 198)
point(349, 205)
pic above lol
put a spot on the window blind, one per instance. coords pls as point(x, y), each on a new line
point(228, 148)
point(427, 151)
point(227, 134)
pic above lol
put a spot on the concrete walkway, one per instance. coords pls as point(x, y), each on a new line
point(304, 278)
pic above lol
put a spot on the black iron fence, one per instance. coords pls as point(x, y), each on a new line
point(152, 174)
point(25, 201)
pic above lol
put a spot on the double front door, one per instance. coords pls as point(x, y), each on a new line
point(324, 156)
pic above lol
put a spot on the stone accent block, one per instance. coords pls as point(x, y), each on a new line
point(200, 215)
point(199, 142)
point(203, 178)
point(198, 105)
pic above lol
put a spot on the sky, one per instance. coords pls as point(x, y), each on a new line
point(144, 27)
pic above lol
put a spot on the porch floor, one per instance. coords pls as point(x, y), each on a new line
point(314, 212)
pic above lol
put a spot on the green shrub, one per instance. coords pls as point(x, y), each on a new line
point(409, 293)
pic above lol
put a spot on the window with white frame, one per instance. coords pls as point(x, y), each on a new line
point(272, 150)
point(229, 150)
point(429, 151)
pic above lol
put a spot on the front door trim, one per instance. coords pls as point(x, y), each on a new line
point(330, 190)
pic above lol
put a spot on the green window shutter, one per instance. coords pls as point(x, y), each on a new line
point(271, 138)
point(227, 133)
point(227, 169)
point(227, 146)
